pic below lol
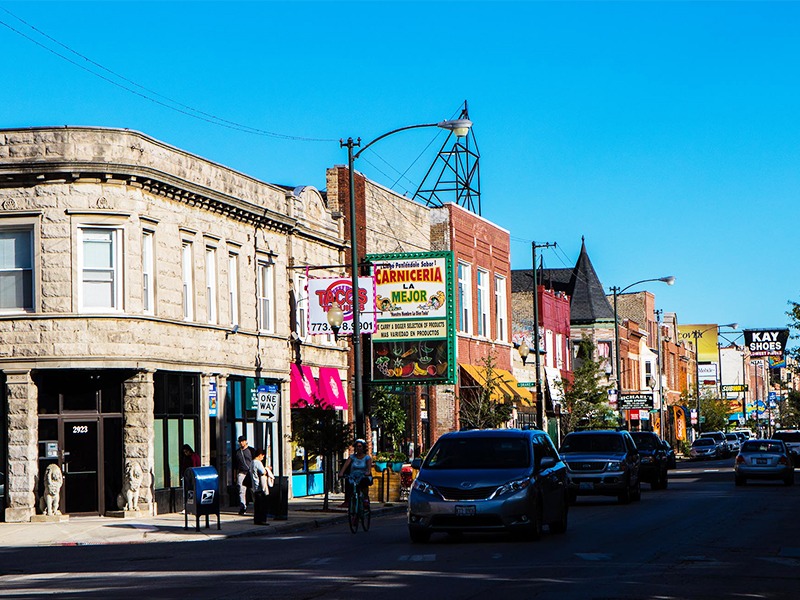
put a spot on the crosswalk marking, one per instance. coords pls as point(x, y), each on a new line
point(417, 557)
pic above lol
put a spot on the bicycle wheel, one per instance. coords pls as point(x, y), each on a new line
point(366, 516)
point(352, 512)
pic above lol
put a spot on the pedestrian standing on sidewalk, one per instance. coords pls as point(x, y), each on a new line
point(243, 458)
point(262, 479)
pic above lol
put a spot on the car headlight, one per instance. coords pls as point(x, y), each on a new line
point(424, 488)
point(615, 465)
point(512, 487)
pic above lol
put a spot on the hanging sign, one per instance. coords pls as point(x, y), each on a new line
point(766, 342)
point(212, 397)
point(323, 292)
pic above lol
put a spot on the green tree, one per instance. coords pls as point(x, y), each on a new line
point(321, 432)
point(478, 407)
point(389, 411)
point(586, 396)
point(714, 411)
point(791, 414)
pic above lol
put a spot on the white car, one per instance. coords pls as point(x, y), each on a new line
point(734, 442)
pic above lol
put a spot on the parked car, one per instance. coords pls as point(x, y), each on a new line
point(721, 441)
point(653, 467)
point(602, 462)
point(672, 461)
point(764, 459)
point(704, 447)
point(489, 480)
point(734, 442)
point(790, 437)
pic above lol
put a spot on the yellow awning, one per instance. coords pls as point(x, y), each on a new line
point(506, 386)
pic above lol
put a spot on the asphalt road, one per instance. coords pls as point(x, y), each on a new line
point(702, 538)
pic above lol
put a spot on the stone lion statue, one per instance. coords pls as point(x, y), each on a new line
point(128, 499)
point(53, 480)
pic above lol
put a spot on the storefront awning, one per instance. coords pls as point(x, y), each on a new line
point(331, 390)
point(303, 388)
point(506, 387)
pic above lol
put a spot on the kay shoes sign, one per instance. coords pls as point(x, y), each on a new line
point(766, 342)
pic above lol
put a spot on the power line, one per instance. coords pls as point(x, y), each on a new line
point(166, 102)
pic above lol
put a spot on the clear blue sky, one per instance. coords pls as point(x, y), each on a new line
point(666, 133)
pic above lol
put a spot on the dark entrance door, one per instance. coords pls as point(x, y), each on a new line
point(81, 466)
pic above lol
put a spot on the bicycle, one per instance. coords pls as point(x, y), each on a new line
point(358, 510)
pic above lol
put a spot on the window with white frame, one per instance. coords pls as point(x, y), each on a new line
point(233, 286)
point(16, 269)
point(100, 286)
point(559, 351)
point(148, 269)
point(501, 308)
point(187, 274)
point(483, 303)
point(266, 295)
point(301, 305)
point(464, 297)
point(211, 284)
point(548, 348)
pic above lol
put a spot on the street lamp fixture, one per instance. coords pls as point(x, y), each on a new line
point(335, 319)
point(697, 334)
point(460, 128)
point(524, 351)
point(669, 280)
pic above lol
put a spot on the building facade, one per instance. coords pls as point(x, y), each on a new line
point(144, 304)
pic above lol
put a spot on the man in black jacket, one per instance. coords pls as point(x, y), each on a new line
point(243, 458)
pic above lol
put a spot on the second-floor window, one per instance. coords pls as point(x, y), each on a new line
point(187, 274)
point(266, 296)
point(500, 307)
point(211, 284)
point(100, 276)
point(464, 297)
point(483, 303)
point(148, 267)
point(233, 286)
point(16, 270)
point(301, 305)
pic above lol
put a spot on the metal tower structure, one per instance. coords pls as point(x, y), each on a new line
point(454, 174)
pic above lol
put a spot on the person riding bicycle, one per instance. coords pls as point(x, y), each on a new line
point(359, 466)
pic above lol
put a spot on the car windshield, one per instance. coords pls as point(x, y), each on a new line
point(600, 442)
point(479, 453)
point(762, 446)
point(703, 442)
point(645, 442)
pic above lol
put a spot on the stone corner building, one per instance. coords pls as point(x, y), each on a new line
point(143, 298)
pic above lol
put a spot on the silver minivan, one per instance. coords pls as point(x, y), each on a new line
point(489, 480)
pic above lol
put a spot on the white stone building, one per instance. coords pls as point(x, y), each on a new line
point(144, 294)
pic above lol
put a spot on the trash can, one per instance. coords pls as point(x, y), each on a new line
point(278, 499)
point(200, 495)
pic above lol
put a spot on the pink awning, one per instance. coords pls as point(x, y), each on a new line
point(303, 388)
point(331, 391)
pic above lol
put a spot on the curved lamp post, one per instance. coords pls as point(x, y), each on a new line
point(617, 291)
point(460, 127)
point(697, 334)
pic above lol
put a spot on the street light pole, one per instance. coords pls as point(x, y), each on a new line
point(539, 394)
point(669, 280)
point(460, 127)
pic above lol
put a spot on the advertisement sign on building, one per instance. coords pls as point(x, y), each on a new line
point(212, 397)
point(766, 342)
point(707, 374)
point(706, 336)
point(414, 342)
point(323, 292)
point(635, 401)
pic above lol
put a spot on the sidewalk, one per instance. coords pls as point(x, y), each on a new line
point(304, 514)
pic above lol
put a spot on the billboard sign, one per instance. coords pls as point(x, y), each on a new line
point(766, 342)
point(323, 292)
point(415, 339)
point(635, 401)
point(706, 337)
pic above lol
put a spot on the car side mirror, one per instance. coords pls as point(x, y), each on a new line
point(547, 462)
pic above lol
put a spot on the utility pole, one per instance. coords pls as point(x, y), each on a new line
point(539, 395)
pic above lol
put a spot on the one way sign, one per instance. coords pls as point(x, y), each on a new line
point(268, 403)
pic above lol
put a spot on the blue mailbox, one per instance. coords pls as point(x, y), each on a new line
point(200, 495)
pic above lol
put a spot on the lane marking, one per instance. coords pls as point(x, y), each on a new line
point(417, 557)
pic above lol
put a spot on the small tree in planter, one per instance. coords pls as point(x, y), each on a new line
point(321, 432)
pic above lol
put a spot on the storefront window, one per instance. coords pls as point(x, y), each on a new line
point(176, 415)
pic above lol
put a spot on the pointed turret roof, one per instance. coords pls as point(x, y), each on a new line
point(588, 302)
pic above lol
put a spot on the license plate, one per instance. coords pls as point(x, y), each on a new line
point(465, 511)
point(761, 461)
point(587, 485)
